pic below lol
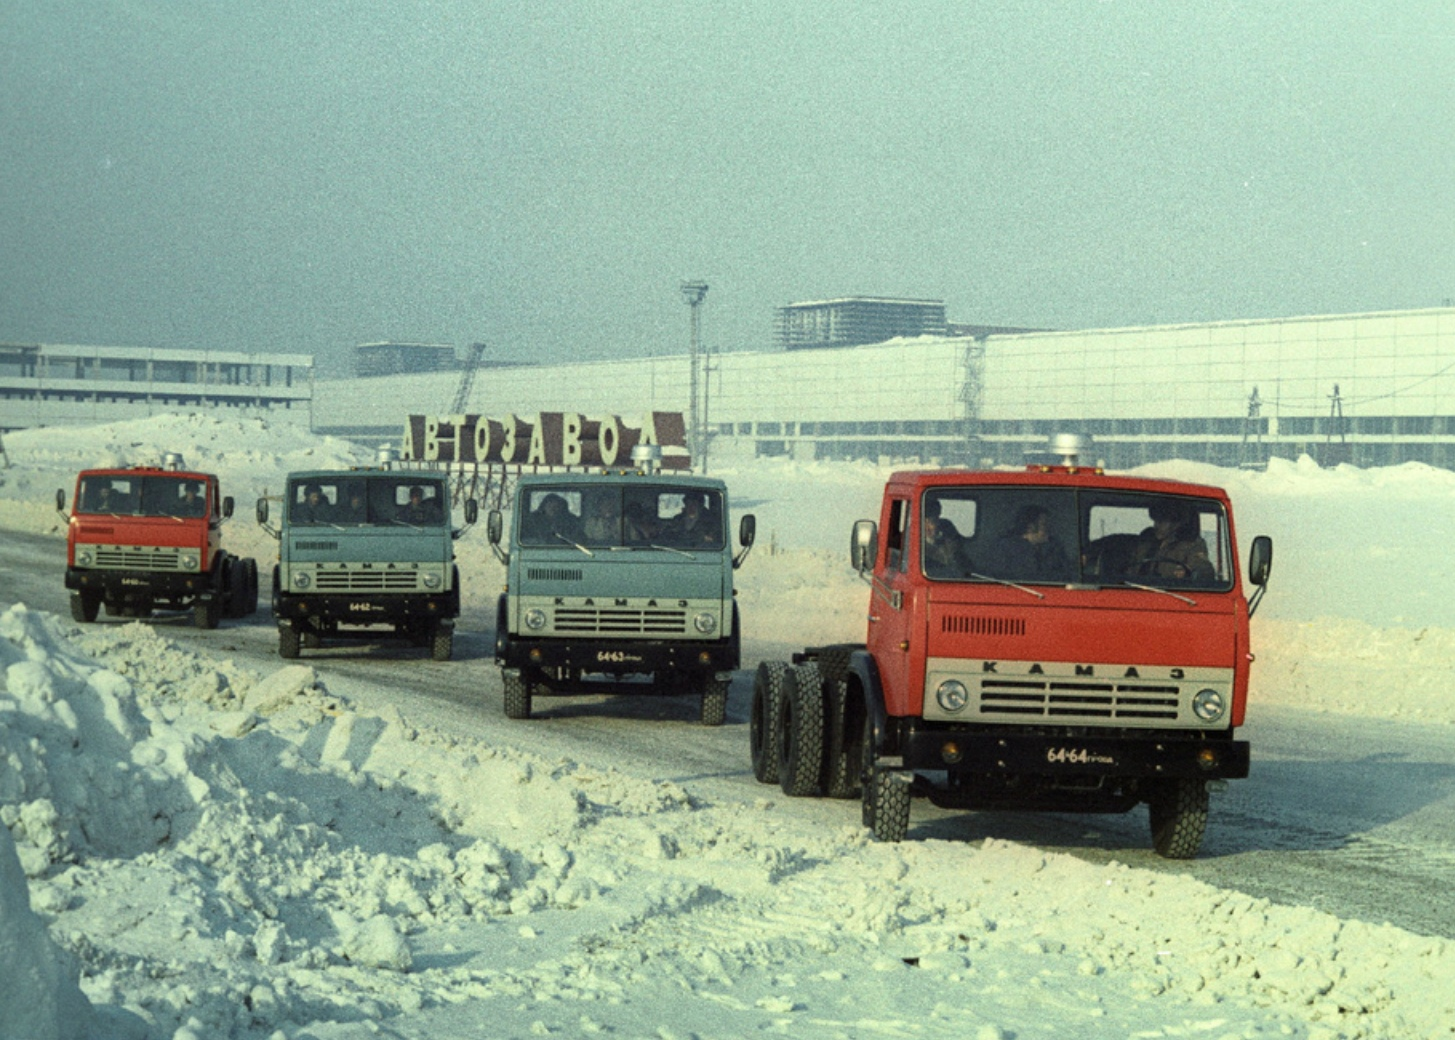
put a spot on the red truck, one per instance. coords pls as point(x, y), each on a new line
point(1056, 639)
point(147, 537)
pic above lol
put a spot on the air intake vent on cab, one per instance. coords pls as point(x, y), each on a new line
point(972, 625)
point(553, 573)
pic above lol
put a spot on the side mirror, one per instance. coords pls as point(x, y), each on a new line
point(472, 511)
point(747, 530)
point(494, 526)
point(262, 511)
point(227, 507)
point(863, 544)
point(1260, 560)
point(60, 500)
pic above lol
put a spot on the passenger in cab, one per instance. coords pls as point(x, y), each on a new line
point(1172, 547)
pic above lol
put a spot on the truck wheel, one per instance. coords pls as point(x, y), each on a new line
point(1177, 810)
point(517, 696)
point(85, 606)
point(250, 568)
point(800, 731)
point(763, 719)
point(714, 702)
point(841, 751)
point(442, 641)
point(885, 796)
point(232, 598)
point(207, 613)
point(288, 642)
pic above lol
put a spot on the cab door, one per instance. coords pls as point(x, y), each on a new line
point(891, 602)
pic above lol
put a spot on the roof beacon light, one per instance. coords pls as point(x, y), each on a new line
point(1070, 446)
point(172, 460)
point(647, 458)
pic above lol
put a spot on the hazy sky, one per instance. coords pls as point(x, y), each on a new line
point(305, 175)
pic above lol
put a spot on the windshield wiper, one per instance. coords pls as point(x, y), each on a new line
point(576, 545)
point(1014, 585)
point(1166, 592)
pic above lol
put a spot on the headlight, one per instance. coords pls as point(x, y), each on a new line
point(189, 563)
point(705, 623)
point(1208, 705)
point(301, 580)
point(535, 618)
point(83, 557)
point(431, 581)
point(952, 695)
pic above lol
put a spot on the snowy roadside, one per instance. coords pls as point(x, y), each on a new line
point(234, 854)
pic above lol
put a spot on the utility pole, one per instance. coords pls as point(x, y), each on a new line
point(693, 293)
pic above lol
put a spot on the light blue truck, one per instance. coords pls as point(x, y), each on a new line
point(618, 582)
point(363, 548)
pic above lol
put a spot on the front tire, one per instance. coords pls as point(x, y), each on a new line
point(1177, 811)
point(517, 696)
point(85, 606)
point(207, 612)
point(714, 702)
point(885, 795)
point(442, 641)
point(289, 642)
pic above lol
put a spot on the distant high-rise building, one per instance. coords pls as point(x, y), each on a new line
point(854, 320)
point(393, 359)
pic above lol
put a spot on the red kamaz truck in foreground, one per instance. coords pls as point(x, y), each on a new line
point(1056, 639)
point(147, 537)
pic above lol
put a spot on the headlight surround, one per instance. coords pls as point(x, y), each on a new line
point(431, 581)
point(301, 580)
point(189, 562)
point(1209, 705)
point(83, 557)
point(705, 623)
point(535, 619)
point(952, 696)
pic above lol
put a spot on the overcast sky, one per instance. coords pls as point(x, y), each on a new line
point(304, 176)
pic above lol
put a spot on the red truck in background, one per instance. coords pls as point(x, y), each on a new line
point(146, 537)
point(1056, 639)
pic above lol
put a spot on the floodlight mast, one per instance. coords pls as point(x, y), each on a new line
point(693, 293)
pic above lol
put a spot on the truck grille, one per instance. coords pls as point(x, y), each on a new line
point(119, 558)
point(1068, 700)
point(620, 621)
point(367, 581)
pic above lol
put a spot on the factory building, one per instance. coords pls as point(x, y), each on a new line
point(1372, 389)
point(44, 384)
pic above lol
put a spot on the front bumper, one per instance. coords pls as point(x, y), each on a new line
point(1113, 755)
point(365, 609)
point(132, 584)
point(619, 657)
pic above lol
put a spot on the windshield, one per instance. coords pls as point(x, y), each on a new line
point(1075, 536)
point(356, 500)
point(622, 516)
point(142, 496)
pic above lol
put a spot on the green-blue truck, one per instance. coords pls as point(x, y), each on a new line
point(618, 582)
point(363, 548)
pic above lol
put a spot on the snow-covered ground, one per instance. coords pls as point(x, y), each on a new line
point(198, 848)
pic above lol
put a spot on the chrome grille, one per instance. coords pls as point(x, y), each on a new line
point(620, 620)
point(120, 558)
point(367, 581)
point(1064, 699)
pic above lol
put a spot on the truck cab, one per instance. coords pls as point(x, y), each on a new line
point(618, 582)
point(144, 538)
point(1059, 639)
point(362, 550)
